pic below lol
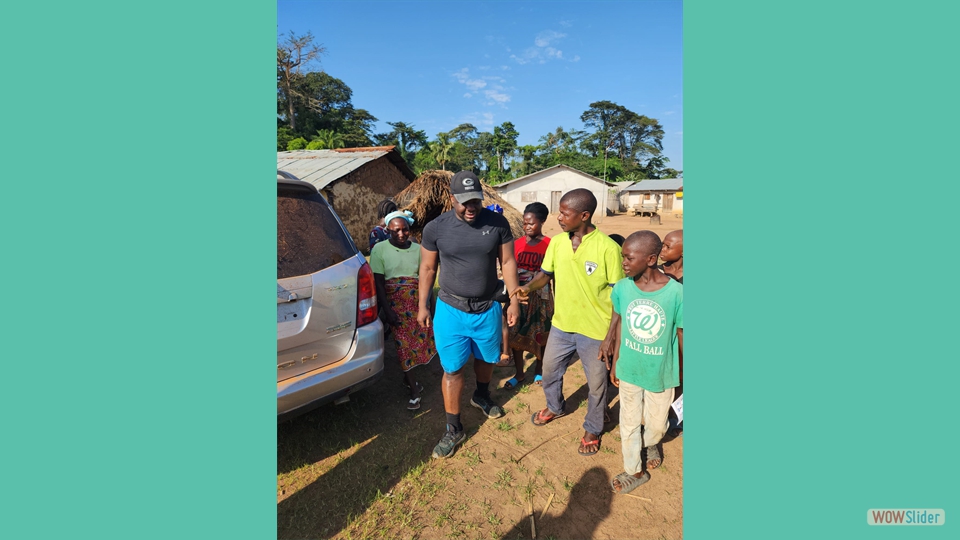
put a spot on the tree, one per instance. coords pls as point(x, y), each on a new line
point(407, 139)
point(440, 149)
point(284, 136)
point(294, 53)
point(325, 104)
point(528, 157)
point(326, 139)
point(504, 141)
point(464, 132)
point(632, 136)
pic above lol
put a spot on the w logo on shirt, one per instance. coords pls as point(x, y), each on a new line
point(590, 267)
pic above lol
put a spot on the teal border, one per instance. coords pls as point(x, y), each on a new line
point(819, 249)
point(137, 229)
point(139, 225)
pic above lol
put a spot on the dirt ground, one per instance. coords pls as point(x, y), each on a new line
point(363, 469)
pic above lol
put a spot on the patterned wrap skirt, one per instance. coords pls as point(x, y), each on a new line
point(414, 344)
point(533, 326)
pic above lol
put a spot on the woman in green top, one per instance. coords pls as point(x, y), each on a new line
point(396, 267)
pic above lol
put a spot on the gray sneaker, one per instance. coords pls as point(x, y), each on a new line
point(448, 443)
point(485, 404)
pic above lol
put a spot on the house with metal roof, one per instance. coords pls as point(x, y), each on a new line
point(666, 193)
point(548, 185)
point(354, 180)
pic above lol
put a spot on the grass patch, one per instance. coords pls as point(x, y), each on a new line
point(504, 479)
point(472, 457)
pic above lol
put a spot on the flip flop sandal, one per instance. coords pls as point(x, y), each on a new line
point(585, 445)
point(538, 380)
point(653, 453)
point(419, 386)
point(544, 417)
point(629, 482)
point(512, 383)
point(505, 362)
point(413, 404)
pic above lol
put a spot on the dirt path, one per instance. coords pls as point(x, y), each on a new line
point(363, 469)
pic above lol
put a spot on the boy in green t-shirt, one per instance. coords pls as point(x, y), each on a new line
point(646, 329)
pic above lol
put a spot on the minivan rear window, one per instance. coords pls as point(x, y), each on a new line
point(309, 237)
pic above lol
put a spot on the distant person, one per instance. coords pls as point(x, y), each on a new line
point(532, 329)
point(465, 242)
point(379, 232)
point(646, 328)
point(672, 255)
point(584, 263)
point(396, 267)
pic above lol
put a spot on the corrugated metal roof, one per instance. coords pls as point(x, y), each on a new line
point(663, 184)
point(321, 167)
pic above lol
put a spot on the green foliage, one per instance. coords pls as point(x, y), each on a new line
point(407, 140)
point(423, 161)
point(319, 101)
point(440, 149)
point(495, 177)
point(297, 144)
point(326, 139)
point(284, 136)
point(504, 141)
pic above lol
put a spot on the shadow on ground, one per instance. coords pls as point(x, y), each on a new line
point(589, 504)
point(335, 461)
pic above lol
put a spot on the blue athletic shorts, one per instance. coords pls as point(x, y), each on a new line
point(458, 334)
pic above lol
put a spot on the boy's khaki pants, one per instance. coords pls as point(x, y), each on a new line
point(641, 406)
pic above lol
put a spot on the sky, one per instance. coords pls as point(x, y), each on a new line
point(438, 64)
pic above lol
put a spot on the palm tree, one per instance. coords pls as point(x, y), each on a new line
point(326, 139)
point(440, 149)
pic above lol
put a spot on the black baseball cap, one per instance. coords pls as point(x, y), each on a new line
point(465, 186)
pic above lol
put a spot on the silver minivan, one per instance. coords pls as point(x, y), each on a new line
point(329, 338)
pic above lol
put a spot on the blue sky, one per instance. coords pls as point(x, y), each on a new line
point(537, 64)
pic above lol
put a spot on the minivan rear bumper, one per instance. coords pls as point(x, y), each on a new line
point(362, 366)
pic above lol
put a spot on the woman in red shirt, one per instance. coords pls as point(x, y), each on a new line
point(532, 328)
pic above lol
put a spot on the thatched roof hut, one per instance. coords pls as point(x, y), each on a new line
point(429, 196)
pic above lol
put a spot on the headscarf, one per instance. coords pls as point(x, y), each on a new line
point(405, 214)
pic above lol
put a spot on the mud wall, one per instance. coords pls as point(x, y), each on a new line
point(355, 197)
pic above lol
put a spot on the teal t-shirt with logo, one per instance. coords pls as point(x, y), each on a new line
point(649, 348)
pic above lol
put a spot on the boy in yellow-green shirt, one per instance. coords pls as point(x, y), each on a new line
point(585, 263)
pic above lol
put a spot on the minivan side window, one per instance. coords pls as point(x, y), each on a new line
point(309, 237)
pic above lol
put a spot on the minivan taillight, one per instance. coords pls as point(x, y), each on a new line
point(366, 296)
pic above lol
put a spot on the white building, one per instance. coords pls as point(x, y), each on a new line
point(548, 185)
point(666, 193)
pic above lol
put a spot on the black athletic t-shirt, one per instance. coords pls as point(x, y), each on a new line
point(468, 256)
